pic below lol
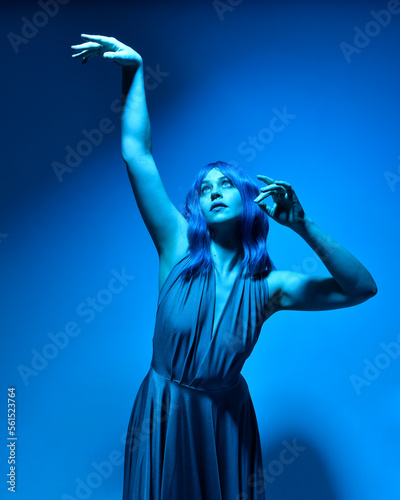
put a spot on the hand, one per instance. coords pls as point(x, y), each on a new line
point(108, 48)
point(287, 209)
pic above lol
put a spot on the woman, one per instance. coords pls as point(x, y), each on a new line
point(193, 432)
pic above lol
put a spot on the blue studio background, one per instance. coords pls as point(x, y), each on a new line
point(217, 73)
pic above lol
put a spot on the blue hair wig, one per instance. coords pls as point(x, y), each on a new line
point(254, 225)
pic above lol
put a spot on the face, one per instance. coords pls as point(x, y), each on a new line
point(217, 188)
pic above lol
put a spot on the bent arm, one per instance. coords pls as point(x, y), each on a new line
point(350, 282)
point(348, 272)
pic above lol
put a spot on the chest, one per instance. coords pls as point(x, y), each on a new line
point(223, 291)
point(210, 311)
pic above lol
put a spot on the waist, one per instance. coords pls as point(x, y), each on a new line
point(203, 388)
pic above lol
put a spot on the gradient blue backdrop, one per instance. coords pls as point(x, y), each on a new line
point(222, 73)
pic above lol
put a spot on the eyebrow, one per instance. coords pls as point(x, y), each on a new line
point(220, 179)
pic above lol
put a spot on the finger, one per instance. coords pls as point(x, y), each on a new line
point(85, 52)
point(271, 192)
point(86, 45)
point(273, 187)
point(92, 37)
point(286, 184)
point(266, 208)
point(266, 179)
point(109, 40)
point(262, 196)
point(110, 56)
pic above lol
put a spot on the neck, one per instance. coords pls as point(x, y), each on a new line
point(226, 252)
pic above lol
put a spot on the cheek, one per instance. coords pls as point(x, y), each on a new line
point(239, 203)
point(202, 208)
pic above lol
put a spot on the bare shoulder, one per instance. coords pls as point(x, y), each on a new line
point(274, 280)
point(171, 256)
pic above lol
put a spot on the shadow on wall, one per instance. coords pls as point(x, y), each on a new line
point(294, 470)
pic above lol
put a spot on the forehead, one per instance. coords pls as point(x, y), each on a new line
point(213, 175)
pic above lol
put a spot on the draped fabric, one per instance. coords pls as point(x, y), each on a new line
point(193, 432)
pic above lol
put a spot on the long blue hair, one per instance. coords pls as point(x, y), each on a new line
point(254, 225)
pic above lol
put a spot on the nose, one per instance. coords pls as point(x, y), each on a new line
point(214, 195)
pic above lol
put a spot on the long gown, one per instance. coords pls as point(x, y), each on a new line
point(193, 433)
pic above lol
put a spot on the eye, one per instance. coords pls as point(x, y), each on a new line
point(206, 187)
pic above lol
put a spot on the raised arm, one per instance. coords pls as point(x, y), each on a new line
point(166, 225)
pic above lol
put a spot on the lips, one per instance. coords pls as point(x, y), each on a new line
point(214, 205)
